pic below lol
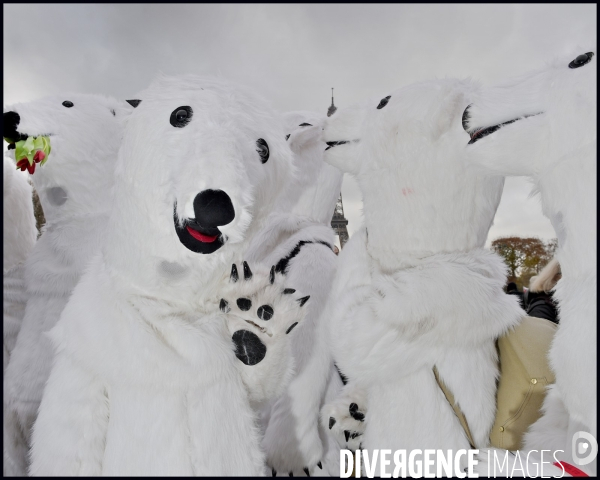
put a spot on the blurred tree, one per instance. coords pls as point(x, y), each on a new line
point(524, 256)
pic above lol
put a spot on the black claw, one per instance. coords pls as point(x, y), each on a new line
point(287, 136)
point(305, 125)
point(287, 291)
point(347, 434)
point(291, 474)
point(331, 422)
point(272, 275)
point(273, 472)
point(355, 434)
point(303, 300)
point(291, 327)
point(224, 305)
point(306, 471)
point(234, 274)
point(247, 271)
point(320, 466)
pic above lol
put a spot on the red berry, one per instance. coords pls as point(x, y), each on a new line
point(39, 156)
point(22, 164)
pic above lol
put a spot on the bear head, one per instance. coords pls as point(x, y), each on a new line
point(316, 186)
point(524, 126)
point(543, 125)
point(84, 133)
point(201, 164)
point(406, 152)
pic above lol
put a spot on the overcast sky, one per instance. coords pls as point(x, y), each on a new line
point(293, 55)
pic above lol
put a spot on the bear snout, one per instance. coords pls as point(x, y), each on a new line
point(9, 125)
point(213, 208)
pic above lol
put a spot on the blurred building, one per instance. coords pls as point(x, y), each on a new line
point(338, 222)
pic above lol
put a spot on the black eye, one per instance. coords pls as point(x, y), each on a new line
point(384, 102)
point(181, 116)
point(67, 104)
point(263, 150)
point(581, 60)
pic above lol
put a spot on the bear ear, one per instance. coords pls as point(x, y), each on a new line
point(133, 103)
point(445, 113)
point(305, 135)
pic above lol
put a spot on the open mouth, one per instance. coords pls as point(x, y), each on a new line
point(29, 150)
point(479, 133)
point(339, 142)
point(12, 138)
point(196, 238)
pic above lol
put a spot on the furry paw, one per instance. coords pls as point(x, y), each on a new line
point(345, 418)
point(291, 442)
point(261, 315)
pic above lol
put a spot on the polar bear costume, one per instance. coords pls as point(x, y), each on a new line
point(298, 239)
point(74, 188)
point(146, 378)
point(543, 125)
point(19, 238)
point(415, 289)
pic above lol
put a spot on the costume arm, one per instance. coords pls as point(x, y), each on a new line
point(70, 432)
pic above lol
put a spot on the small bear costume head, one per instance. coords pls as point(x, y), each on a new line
point(316, 186)
point(82, 132)
point(406, 151)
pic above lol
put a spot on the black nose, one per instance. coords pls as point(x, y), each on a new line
point(10, 124)
point(213, 208)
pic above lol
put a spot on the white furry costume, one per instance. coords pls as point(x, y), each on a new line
point(19, 238)
point(548, 132)
point(298, 239)
point(74, 188)
point(415, 288)
point(146, 379)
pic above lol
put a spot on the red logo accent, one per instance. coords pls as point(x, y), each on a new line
point(571, 469)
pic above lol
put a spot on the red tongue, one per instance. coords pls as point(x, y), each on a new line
point(200, 237)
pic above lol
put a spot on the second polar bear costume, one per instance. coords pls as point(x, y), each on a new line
point(415, 289)
point(19, 238)
point(74, 186)
point(544, 125)
point(148, 378)
point(299, 240)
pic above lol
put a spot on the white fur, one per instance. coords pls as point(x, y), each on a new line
point(557, 150)
point(145, 380)
point(293, 440)
point(19, 238)
point(415, 289)
point(84, 141)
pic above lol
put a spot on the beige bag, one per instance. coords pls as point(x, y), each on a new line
point(524, 376)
